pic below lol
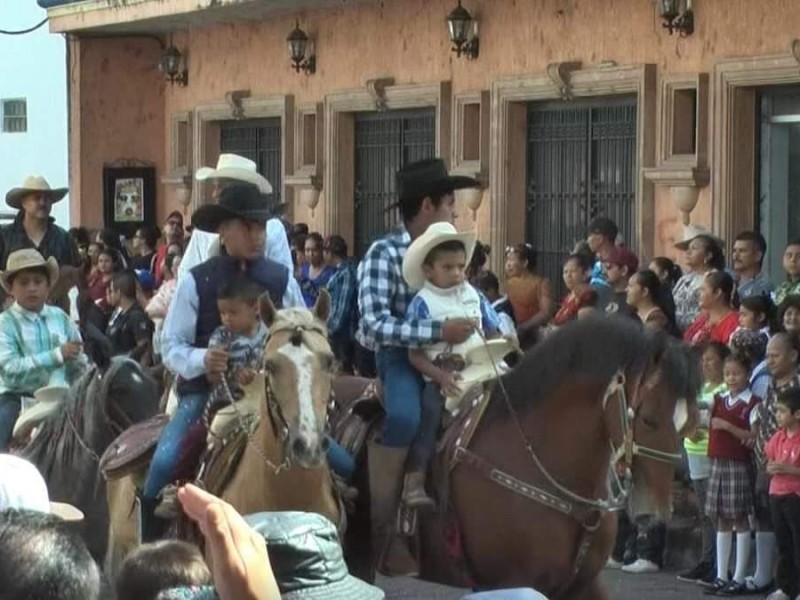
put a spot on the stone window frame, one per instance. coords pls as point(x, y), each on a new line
point(734, 170)
point(476, 167)
point(339, 142)
point(206, 120)
point(507, 177)
point(174, 151)
point(670, 84)
point(301, 112)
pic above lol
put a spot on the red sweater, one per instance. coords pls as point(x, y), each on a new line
point(723, 444)
point(701, 331)
point(783, 448)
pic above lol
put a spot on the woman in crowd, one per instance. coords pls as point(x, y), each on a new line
point(477, 264)
point(668, 272)
point(580, 294)
point(718, 319)
point(108, 263)
point(789, 315)
point(159, 304)
point(530, 295)
point(314, 274)
point(703, 254)
point(110, 238)
point(648, 298)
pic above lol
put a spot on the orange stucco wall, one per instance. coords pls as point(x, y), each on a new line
point(126, 107)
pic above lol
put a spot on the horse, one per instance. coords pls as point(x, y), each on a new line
point(110, 396)
point(283, 465)
point(525, 493)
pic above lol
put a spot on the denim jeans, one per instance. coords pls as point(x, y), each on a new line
point(9, 411)
point(165, 460)
point(402, 395)
point(340, 461)
point(424, 444)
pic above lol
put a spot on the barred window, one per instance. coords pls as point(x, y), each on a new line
point(15, 115)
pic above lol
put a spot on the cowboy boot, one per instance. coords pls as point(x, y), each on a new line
point(414, 496)
point(386, 466)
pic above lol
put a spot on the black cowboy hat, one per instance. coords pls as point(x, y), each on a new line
point(235, 202)
point(429, 178)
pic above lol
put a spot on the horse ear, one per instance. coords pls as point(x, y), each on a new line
point(322, 307)
point(267, 309)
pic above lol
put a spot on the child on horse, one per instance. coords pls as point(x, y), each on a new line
point(435, 265)
point(39, 343)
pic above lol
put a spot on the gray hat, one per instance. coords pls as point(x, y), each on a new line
point(307, 558)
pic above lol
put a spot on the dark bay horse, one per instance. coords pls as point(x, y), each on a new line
point(66, 448)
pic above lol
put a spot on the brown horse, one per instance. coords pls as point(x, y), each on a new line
point(283, 466)
point(529, 491)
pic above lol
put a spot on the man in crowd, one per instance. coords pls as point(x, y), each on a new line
point(343, 289)
point(34, 228)
point(145, 241)
point(426, 196)
point(173, 234)
point(620, 265)
point(748, 257)
point(602, 240)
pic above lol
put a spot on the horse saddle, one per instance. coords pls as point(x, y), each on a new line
point(358, 411)
point(133, 448)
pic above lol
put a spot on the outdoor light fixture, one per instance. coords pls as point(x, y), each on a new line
point(463, 31)
point(678, 16)
point(173, 66)
point(301, 51)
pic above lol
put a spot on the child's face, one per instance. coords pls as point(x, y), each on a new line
point(237, 315)
point(93, 252)
point(712, 366)
point(104, 264)
point(736, 376)
point(30, 289)
point(791, 261)
point(748, 319)
point(447, 269)
point(791, 320)
point(786, 418)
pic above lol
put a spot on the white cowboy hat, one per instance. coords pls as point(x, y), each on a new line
point(47, 401)
point(436, 234)
point(23, 487)
point(233, 166)
point(33, 184)
point(484, 363)
point(692, 231)
point(28, 258)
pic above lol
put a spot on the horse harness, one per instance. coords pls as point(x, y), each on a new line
point(588, 512)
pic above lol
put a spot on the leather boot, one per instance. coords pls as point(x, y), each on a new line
point(386, 467)
point(414, 496)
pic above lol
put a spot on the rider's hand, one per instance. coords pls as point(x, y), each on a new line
point(239, 558)
point(457, 331)
point(245, 376)
point(70, 350)
point(216, 360)
point(449, 384)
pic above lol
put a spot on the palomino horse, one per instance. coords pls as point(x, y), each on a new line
point(283, 466)
point(529, 493)
point(109, 397)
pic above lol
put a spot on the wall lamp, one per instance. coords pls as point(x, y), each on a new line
point(173, 66)
point(301, 51)
point(463, 30)
point(678, 16)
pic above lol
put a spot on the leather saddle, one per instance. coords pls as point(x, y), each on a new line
point(358, 411)
point(133, 448)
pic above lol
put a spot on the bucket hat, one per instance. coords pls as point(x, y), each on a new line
point(233, 166)
point(436, 234)
point(238, 201)
point(307, 558)
point(22, 487)
point(34, 184)
point(27, 258)
point(429, 178)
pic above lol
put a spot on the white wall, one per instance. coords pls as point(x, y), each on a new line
point(34, 67)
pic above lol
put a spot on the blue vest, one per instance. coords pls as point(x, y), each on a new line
point(212, 274)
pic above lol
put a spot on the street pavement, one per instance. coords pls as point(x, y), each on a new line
point(658, 586)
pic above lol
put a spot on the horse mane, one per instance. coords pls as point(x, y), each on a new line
point(596, 348)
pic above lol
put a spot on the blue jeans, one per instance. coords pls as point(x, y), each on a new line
point(9, 411)
point(424, 444)
point(340, 461)
point(165, 460)
point(402, 394)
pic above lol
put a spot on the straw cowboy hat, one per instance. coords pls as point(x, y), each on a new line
point(484, 363)
point(23, 487)
point(34, 184)
point(436, 234)
point(28, 258)
point(233, 166)
point(235, 202)
point(47, 401)
point(692, 231)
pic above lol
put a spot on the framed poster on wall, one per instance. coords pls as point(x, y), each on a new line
point(129, 197)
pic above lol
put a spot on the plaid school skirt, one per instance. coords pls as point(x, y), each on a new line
point(730, 489)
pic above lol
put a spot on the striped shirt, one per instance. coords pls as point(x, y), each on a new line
point(384, 297)
point(30, 348)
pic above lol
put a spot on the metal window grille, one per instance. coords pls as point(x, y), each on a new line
point(581, 164)
point(384, 143)
point(260, 141)
point(15, 116)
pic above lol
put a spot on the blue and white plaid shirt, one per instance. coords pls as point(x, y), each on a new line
point(384, 297)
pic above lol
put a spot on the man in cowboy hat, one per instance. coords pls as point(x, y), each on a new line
point(239, 219)
point(426, 196)
point(34, 228)
point(37, 341)
point(233, 169)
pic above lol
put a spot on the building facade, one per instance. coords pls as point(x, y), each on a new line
point(572, 109)
point(33, 105)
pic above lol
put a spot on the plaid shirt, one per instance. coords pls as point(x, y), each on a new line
point(343, 288)
point(384, 296)
point(30, 347)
